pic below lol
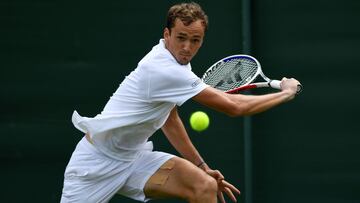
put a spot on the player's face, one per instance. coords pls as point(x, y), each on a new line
point(183, 42)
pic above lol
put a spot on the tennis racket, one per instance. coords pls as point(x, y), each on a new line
point(239, 72)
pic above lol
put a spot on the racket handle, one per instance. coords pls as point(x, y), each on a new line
point(277, 85)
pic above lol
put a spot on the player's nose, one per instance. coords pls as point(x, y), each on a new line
point(186, 46)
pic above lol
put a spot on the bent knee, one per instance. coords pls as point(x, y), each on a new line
point(210, 185)
point(205, 188)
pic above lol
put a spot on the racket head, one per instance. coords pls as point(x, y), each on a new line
point(232, 72)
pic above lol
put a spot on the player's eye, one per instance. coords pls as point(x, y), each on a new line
point(181, 38)
point(195, 41)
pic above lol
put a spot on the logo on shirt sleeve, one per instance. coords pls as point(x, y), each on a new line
point(196, 83)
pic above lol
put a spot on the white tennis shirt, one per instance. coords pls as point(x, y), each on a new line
point(141, 104)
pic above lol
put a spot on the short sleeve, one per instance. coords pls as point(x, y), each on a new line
point(175, 84)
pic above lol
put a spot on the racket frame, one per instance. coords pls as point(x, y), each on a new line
point(276, 84)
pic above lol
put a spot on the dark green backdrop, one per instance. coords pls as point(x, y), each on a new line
point(307, 150)
point(57, 56)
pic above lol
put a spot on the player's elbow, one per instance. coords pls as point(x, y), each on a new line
point(238, 112)
point(232, 114)
point(234, 110)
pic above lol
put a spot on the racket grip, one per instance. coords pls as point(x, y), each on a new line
point(277, 85)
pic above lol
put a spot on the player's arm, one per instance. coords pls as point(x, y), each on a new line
point(239, 105)
point(176, 133)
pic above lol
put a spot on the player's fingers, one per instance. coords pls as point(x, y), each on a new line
point(230, 194)
point(290, 79)
point(230, 186)
point(221, 197)
point(216, 174)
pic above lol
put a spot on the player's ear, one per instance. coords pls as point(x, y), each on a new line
point(166, 34)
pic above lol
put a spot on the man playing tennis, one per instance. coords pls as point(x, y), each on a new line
point(115, 156)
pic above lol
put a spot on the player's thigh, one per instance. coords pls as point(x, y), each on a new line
point(176, 178)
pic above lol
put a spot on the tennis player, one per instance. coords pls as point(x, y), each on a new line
point(115, 156)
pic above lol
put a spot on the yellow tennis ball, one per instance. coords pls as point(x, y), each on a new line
point(199, 121)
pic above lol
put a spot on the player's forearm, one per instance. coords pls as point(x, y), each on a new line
point(249, 105)
point(176, 133)
point(181, 142)
point(241, 105)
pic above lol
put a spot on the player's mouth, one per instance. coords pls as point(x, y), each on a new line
point(185, 55)
point(184, 59)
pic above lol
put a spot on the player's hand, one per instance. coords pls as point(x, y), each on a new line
point(223, 186)
point(290, 84)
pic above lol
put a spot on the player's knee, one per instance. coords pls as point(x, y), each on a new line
point(205, 188)
point(211, 186)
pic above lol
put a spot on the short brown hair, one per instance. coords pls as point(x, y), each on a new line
point(187, 13)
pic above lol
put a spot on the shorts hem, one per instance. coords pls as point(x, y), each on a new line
point(147, 177)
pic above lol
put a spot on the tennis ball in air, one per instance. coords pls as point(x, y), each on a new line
point(199, 121)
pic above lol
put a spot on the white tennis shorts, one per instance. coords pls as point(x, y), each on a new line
point(91, 176)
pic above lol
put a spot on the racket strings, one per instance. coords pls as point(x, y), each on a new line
point(231, 74)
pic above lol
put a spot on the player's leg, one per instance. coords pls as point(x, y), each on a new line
point(180, 178)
